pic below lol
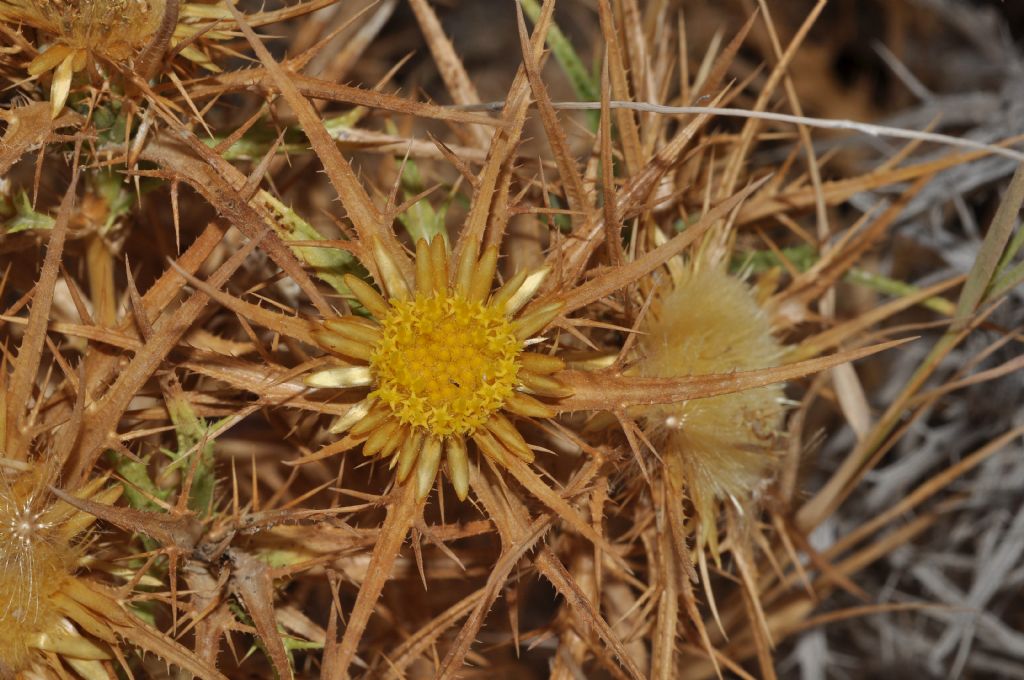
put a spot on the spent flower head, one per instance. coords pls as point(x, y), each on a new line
point(42, 621)
point(80, 32)
point(722, 448)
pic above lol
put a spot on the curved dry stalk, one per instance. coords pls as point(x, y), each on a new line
point(149, 63)
point(452, 71)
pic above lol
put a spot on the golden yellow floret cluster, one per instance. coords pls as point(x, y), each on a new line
point(99, 37)
point(117, 27)
point(442, 360)
point(445, 363)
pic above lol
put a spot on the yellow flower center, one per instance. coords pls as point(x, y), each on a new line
point(444, 363)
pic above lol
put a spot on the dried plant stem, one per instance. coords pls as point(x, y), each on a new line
point(599, 391)
point(401, 517)
point(30, 353)
point(820, 123)
point(150, 61)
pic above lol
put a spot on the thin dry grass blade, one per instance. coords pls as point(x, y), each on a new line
point(630, 134)
point(663, 645)
point(449, 65)
point(612, 228)
point(575, 192)
point(839, 191)
point(741, 150)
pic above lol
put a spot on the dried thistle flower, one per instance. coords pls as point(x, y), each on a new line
point(45, 608)
point(719, 448)
point(82, 31)
point(443, 361)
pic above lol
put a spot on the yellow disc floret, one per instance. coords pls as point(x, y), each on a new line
point(445, 363)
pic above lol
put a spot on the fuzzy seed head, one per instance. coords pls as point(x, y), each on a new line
point(33, 562)
point(720, 448)
point(444, 363)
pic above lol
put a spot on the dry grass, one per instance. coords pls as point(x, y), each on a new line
point(205, 236)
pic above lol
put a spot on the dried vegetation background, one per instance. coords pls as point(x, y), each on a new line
point(184, 203)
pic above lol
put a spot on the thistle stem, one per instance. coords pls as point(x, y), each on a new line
point(152, 57)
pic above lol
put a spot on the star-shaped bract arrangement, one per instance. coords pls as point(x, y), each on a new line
point(444, 359)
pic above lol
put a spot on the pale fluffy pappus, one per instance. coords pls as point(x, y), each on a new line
point(720, 449)
point(33, 561)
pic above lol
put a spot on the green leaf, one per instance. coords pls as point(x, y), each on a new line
point(25, 216)
point(338, 126)
point(801, 257)
point(139, 488)
point(194, 436)
point(329, 264)
point(421, 220)
point(119, 197)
